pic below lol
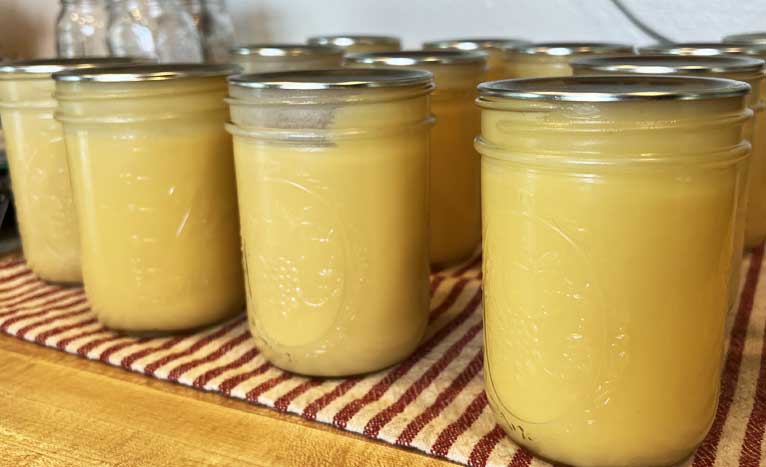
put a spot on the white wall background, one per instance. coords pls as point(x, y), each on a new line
point(26, 26)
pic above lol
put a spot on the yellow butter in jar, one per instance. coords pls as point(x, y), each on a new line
point(552, 59)
point(609, 210)
point(332, 177)
point(153, 180)
point(747, 69)
point(455, 204)
point(38, 166)
point(493, 47)
point(263, 58)
point(755, 228)
point(359, 44)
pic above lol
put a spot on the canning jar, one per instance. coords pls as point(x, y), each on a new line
point(552, 59)
point(153, 180)
point(332, 178)
point(263, 58)
point(493, 47)
point(609, 208)
point(455, 186)
point(755, 228)
point(359, 44)
point(38, 165)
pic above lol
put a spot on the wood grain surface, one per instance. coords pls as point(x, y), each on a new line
point(58, 409)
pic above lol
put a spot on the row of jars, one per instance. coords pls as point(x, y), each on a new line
point(613, 210)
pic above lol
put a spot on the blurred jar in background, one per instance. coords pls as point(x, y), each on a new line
point(263, 58)
point(176, 35)
point(81, 29)
point(493, 47)
point(552, 59)
point(750, 38)
point(214, 27)
point(359, 44)
point(131, 29)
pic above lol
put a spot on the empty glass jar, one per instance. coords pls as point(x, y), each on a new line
point(81, 29)
point(263, 58)
point(552, 59)
point(359, 44)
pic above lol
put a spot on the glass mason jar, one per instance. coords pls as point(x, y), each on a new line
point(131, 29)
point(747, 69)
point(81, 29)
point(332, 178)
point(455, 184)
point(176, 35)
point(38, 165)
point(359, 44)
point(215, 28)
point(492, 47)
point(552, 59)
point(755, 224)
point(153, 180)
point(749, 38)
point(263, 58)
point(609, 207)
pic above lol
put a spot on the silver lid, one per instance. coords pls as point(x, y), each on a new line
point(473, 43)
point(746, 38)
point(340, 78)
point(418, 57)
point(285, 50)
point(704, 49)
point(156, 72)
point(569, 48)
point(47, 66)
point(668, 64)
point(348, 40)
point(614, 88)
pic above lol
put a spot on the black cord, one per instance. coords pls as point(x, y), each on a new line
point(646, 29)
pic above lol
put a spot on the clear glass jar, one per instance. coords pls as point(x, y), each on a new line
point(81, 29)
point(455, 185)
point(263, 58)
point(332, 175)
point(609, 208)
point(552, 59)
point(131, 29)
point(38, 165)
point(492, 47)
point(755, 224)
point(215, 28)
point(352, 44)
point(176, 36)
point(153, 180)
point(749, 70)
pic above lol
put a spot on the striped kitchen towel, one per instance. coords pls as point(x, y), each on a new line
point(434, 401)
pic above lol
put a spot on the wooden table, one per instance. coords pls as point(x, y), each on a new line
point(58, 409)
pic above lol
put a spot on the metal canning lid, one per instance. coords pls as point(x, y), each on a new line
point(746, 38)
point(569, 48)
point(348, 40)
point(473, 43)
point(285, 50)
point(418, 57)
point(156, 72)
point(704, 48)
point(668, 64)
point(614, 88)
point(49, 66)
point(340, 78)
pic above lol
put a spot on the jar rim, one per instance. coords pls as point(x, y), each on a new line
point(746, 38)
point(48, 66)
point(704, 49)
point(419, 57)
point(154, 72)
point(334, 79)
point(347, 40)
point(613, 88)
point(659, 64)
point(285, 50)
point(478, 43)
point(569, 48)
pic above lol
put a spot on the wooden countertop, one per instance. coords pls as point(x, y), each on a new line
point(58, 409)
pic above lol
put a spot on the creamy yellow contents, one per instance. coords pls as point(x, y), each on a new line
point(605, 286)
point(755, 225)
point(259, 64)
point(495, 64)
point(157, 205)
point(537, 66)
point(38, 166)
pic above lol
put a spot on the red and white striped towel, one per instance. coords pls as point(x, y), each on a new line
point(434, 401)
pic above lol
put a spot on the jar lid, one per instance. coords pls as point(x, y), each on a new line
point(746, 38)
point(155, 72)
point(614, 88)
point(668, 64)
point(704, 48)
point(348, 40)
point(569, 48)
point(418, 57)
point(340, 78)
point(47, 66)
point(285, 50)
point(473, 43)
